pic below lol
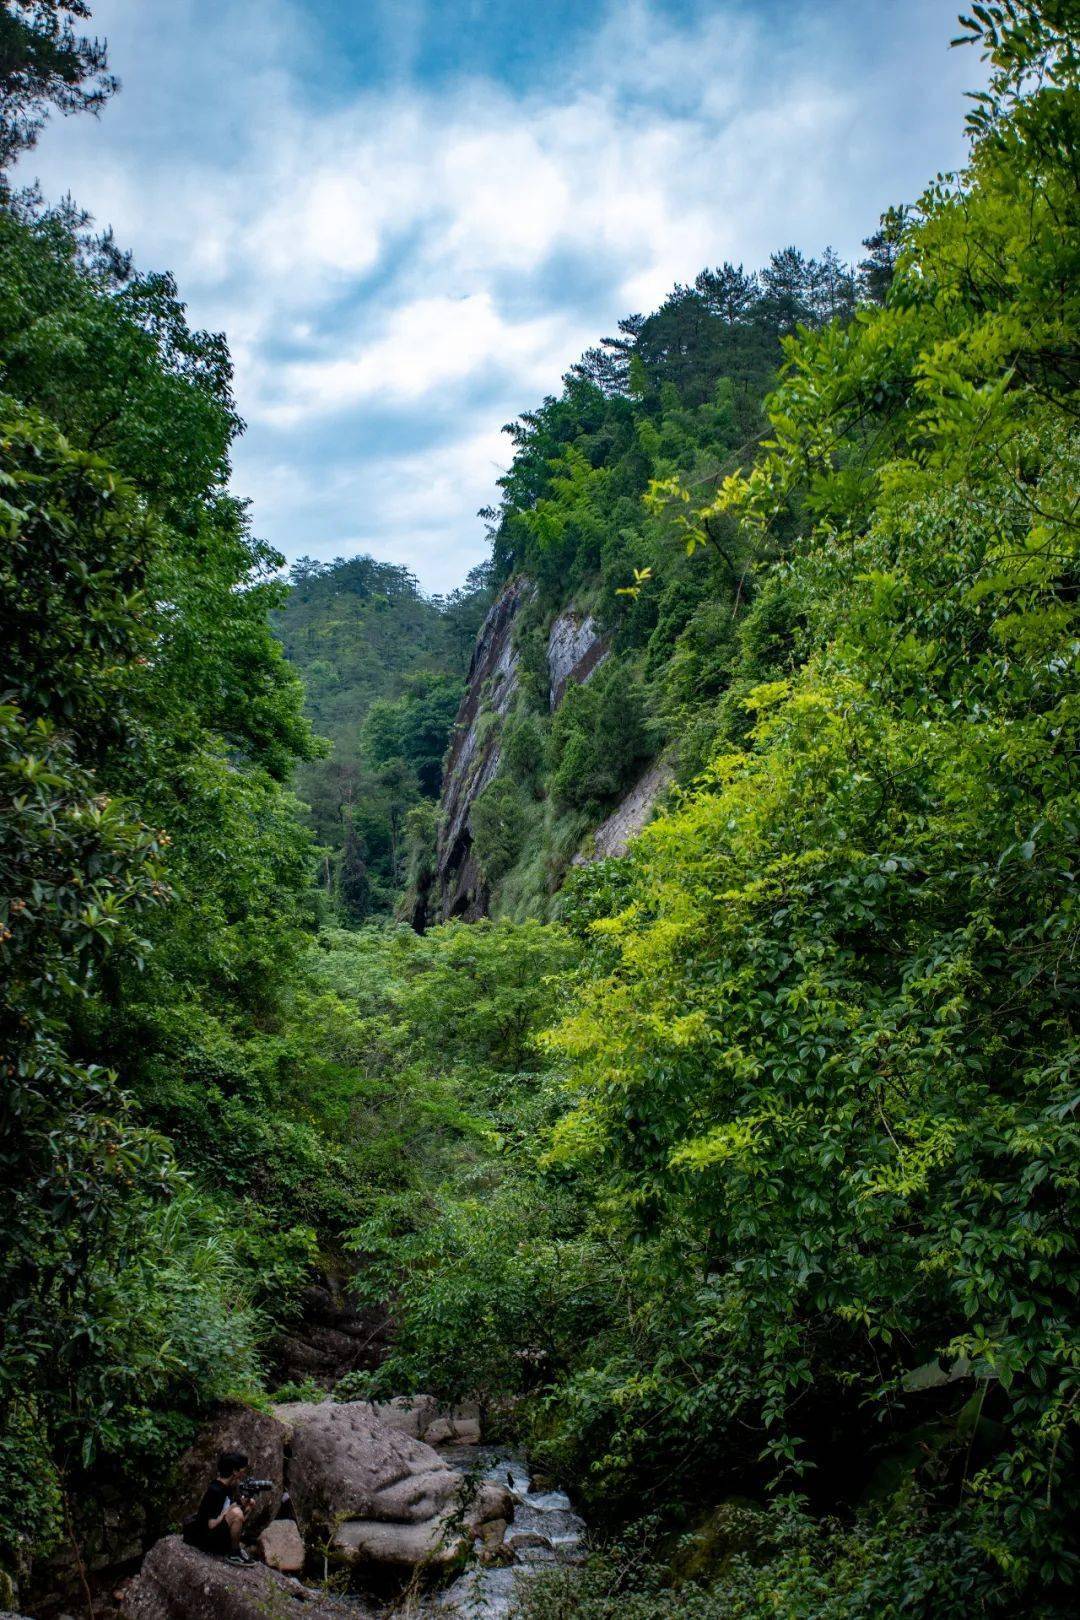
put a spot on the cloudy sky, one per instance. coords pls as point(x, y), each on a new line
point(410, 216)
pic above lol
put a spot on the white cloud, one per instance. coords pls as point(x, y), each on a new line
point(425, 346)
point(419, 246)
point(408, 508)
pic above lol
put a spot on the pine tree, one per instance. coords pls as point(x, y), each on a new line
point(44, 63)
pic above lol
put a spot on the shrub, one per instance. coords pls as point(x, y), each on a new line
point(498, 825)
point(599, 739)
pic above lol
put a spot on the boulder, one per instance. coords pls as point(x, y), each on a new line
point(374, 1493)
point(178, 1582)
point(348, 1464)
point(282, 1547)
point(423, 1418)
point(290, 1414)
point(432, 1542)
point(522, 1540)
point(452, 1425)
point(234, 1428)
point(420, 1416)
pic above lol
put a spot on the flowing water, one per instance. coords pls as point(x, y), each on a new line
point(544, 1531)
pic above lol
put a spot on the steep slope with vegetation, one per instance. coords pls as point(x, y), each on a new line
point(817, 1135)
point(607, 673)
point(740, 1171)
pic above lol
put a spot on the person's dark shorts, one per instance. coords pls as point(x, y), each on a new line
point(218, 1540)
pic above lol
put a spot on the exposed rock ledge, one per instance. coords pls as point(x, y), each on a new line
point(613, 835)
point(576, 649)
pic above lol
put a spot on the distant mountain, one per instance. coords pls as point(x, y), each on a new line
point(382, 666)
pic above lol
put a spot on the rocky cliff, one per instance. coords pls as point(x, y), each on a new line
point(576, 647)
point(575, 650)
point(474, 754)
point(629, 816)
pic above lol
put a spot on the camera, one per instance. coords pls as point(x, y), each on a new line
point(254, 1487)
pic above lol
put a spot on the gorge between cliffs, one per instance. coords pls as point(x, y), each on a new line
point(565, 1085)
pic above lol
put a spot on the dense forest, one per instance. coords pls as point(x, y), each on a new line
point(382, 667)
point(735, 1176)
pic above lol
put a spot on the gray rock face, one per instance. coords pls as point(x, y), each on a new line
point(420, 1416)
point(331, 1336)
point(575, 651)
point(235, 1428)
point(474, 752)
point(178, 1582)
point(374, 1493)
point(576, 648)
point(630, 815)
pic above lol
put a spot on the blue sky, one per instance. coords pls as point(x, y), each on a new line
point(411, 217)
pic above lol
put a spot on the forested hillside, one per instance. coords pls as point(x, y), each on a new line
point(382, 667)
point(622, 637)
point(735, 1176)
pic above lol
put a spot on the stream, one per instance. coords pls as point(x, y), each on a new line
point(544, 1531)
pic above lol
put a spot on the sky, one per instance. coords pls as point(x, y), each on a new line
point(411, 216)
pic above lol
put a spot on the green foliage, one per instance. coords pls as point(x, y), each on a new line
point(414, 727)
point(782, 1565)
point(153, 869)
point(785, 1198)
point(382, 667)
point(81, 874)
point(679, 392)
point(441, 1029)
point(498, 825)
point(821, 1068)
point(799, 1172)
point(107, 354)
point(524, 749)
point(599, 740)
point(44, 63)
point(303, 1390)
point(31, 1500)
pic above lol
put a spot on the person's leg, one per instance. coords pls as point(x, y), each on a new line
point(234, 1518)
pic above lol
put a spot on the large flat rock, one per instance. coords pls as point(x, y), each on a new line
point(377, 1495)
point(178, 1582)
point(347, 1464)
point(420, 1416)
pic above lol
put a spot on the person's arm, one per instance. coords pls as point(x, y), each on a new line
point(222, 1496)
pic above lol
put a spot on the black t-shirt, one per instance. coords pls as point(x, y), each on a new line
point(215, 1501)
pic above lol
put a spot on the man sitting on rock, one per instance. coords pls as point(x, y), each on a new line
point(217, 1525)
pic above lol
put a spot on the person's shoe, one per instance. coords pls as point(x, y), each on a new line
point(241, 1556)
